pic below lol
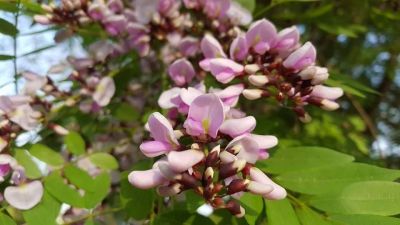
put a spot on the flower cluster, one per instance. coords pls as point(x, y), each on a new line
point(272, 64)
point(212, 153)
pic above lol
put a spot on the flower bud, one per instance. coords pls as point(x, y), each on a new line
point(230, 169)
point(251, 68)
point(253, 94)
point(258, 80)
point(235, 208)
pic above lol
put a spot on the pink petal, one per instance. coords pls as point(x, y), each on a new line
point(183, 160)
point(265, 141)
point(331, 93)
point(208, 111)
point(189, 94)
point(230, 95)
point(189, 46)
point(237, 127)
point(161, 129)
point(155, 148)
point(288, 38)
point(146, 179)
point(104, 91)
point(25, 196)
point(259, 176)
point(261, 35)
point(225, 70)
point(239, 49)
point(248, 148)
point(165, 100)
point(301, 58)
point(181, 71)
point(211, 48)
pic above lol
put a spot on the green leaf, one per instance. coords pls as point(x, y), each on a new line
point(223, 217)
point(24, 158)
point(104, 160)
point(365, 220)
point(247, 4)
point(138, 203)
point(7, 28)
point(102, 183)
point(9, 6)
point(253, 204)
point(6, 220)
point(75, 143)
point(323, 180)
point(47, 155)
point(45, 213)
point(55, 185)
point(38, 50)
point(198, 220)
point(281, 212)
point(370, 197)
point(300, 158)
point(310, 217)
point(261, 12)
point(79, 178)
point(6, 57)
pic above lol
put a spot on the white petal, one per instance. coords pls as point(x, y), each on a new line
point(24, 197)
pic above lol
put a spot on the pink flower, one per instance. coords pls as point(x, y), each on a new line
point(301, 58)
point(115, 24)
point(183, 160)
point(211, 48)
point(225, 70)
point(34, 82)
point(25, 196)
point(181, 72)
point(239, 49)
point(261, 36)
point(97, 11)
point(115, 5)
point(206, 115)
point(163, 135)
point(245, 148)
point(189, 46)
point(230, 95)
point(105, 90)
point(287, 39)
point(216, 8)
point(238, 14)
point(237, 127)
point(259, 176)
point(146, 179)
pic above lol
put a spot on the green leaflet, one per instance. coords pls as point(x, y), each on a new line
point(369, 197)
point(328, 179)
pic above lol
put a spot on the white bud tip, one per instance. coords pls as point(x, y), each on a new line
point(258, 80)
point(252, 94)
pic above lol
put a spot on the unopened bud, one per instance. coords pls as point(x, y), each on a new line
point(259, 188)
point(329, 105)
point(251, 68)
point(178, 134)
point(213, 157)
point(58, 129)
point(258, 80)
point(252, 94)
point(230, 169)
point(227, 157)
point(237, 185)
point(195, 146)
point(235, 208)
point(167, 191)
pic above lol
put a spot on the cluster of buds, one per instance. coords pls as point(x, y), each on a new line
point(211, 153)
point(71, 12)
point(272, 64)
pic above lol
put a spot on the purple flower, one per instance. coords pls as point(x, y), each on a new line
point(206, 115)
point(211, 48)
point(301, 58)
point(163, 135)
point(216, 8)
point(34, 82)
point(259, 176)
point(261, 36)
point(105, 90)
point(287, 39)
point(239, 49)
point(181, 72)
point(237, 127)
point(225, 70)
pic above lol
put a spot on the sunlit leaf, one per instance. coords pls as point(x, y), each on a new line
point(281, 212)
point(365, 220)
point(323, 180)
point(24, 159)
point(248, 4)
point(6, 220)
point(75, 143)
point(47, 155)
point(309, 217)
point(104, 160)
point(369, 197)
point(300, 158)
